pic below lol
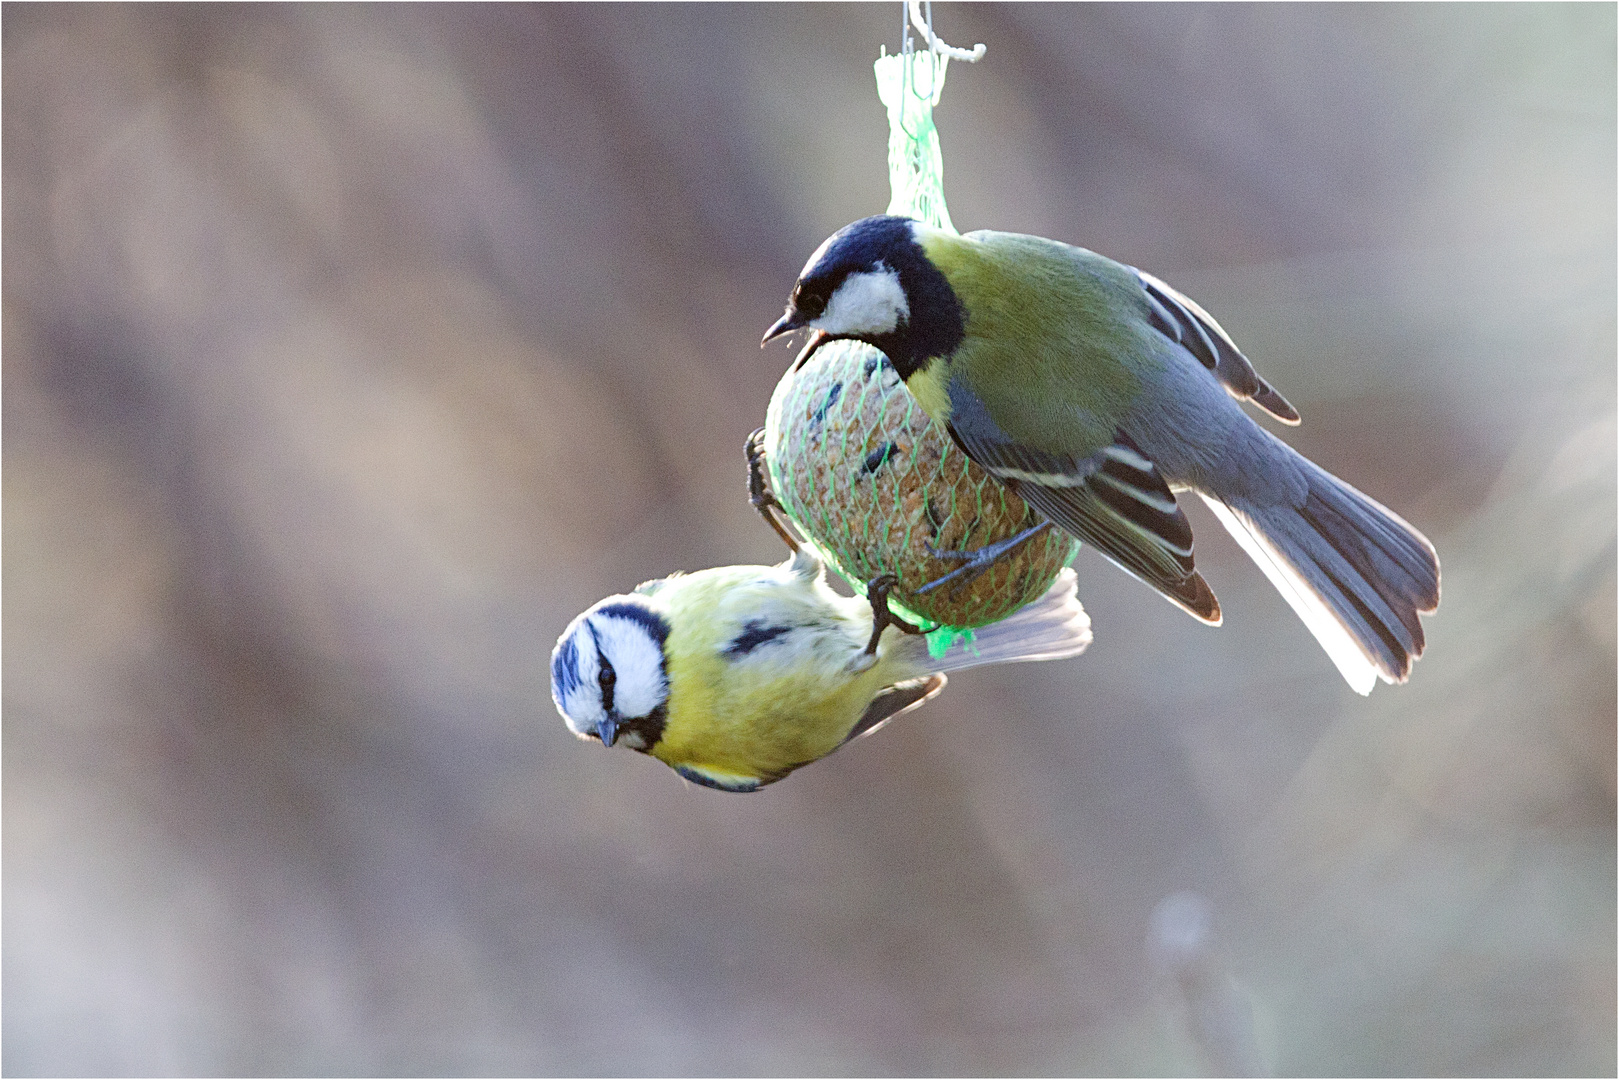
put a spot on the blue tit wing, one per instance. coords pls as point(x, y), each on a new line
point(1114, 499)
point(1181, 320)
point(902, 697)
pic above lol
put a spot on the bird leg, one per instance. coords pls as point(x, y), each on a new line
point(976, 561)
point(877, 590)
point(759, 493)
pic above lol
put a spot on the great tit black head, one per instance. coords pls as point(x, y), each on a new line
point(872, 281)
point(609, 675)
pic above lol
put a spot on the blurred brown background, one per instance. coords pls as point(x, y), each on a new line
point(350, 351)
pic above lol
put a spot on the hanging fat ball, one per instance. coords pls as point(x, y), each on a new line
point(879, 488)
point(860, 468)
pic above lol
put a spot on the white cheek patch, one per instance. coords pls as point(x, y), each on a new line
point(637, 660)
point(870, 302)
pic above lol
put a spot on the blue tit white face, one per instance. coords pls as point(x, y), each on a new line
point(609, 677)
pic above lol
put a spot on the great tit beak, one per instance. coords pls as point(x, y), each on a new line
point(784, 325)
point(817, 338)
point(607, 730)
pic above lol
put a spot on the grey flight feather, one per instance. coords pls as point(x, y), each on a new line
point(1050, 628)
point(1354, 571)
point(902, 697)
point(1180, 319)
point(1116, 500)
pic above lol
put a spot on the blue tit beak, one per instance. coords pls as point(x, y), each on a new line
point(607, 730)
point(789, 322)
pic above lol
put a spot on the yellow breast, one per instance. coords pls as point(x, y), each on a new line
point(790, 698)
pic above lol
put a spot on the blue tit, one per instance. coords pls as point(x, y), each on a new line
point(738, 675)
point(1097, 391)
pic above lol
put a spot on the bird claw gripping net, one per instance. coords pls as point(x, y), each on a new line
point(861, 470)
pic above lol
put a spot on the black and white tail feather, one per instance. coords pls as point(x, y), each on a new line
point(1352, 569)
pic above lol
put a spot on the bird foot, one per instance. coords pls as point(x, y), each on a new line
point(877, 590)
point(976, 561)
point(759, 493)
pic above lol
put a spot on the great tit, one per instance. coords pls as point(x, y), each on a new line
point(738, 675)
point(1097, 391)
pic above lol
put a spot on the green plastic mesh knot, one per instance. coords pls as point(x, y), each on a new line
point(910, 85)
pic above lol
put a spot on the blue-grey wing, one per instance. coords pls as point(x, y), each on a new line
point(890, 702)
point(1114, 499)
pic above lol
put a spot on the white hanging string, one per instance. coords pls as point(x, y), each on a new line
point(924, 26)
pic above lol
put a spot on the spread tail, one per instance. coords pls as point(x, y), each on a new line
point(1357, 574)
point(1050, 628)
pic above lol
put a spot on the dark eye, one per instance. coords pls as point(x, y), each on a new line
point(607, 676)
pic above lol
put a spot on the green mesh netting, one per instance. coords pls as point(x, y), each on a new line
point(910, 85)
point(875, 485)
point(861, 469)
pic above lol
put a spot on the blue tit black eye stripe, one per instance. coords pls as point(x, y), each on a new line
point(606, 677)
point(754, 634)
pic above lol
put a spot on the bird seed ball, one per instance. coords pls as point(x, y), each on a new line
point(875, 483)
